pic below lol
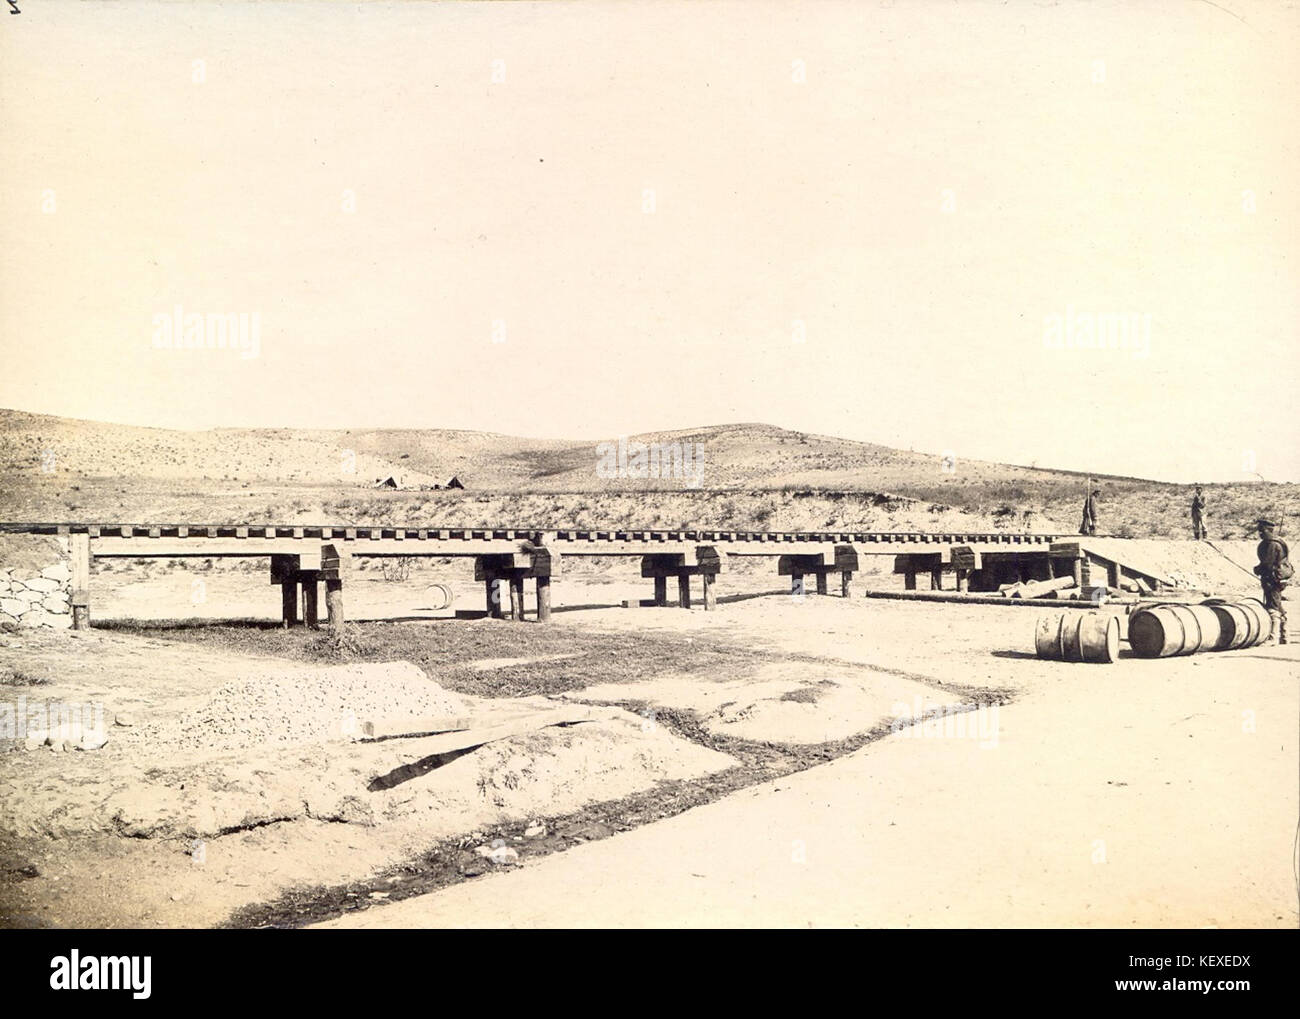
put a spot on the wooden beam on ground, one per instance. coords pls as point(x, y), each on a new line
point(425, 725)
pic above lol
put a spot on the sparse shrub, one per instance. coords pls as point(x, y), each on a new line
point(16, 677)
point(397, 568)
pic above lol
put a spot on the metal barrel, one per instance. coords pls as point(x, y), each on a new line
point(441, 595)
point(1163, 631)
point(1078, 637)
point(1244, 622)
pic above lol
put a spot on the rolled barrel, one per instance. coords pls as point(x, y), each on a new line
point(1244, 622)
point(1078, 637)
point(1163, 631)
point(441, 595)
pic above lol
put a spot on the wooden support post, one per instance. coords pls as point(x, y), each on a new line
point(310, 596)
point(846, 583)
point(289, 602)
point(936, 578)
point(334, 605)
point(710, 599)
point(80, 548)
point(909, 580)
point(492, 585)
point(517, 597)
point(1078, 574)
point(684, 590)
point(822, 587)
point(543, 599)
point(963, 581)
point(661, 590)
point(1085, 573)
point(1114, 575)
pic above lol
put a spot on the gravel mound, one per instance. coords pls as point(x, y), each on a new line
point(306, 706)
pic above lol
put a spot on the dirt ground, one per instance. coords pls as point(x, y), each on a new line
point(711, 721)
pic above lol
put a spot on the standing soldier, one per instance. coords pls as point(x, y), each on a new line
point(1274, 570)
point(1198, 515)
point(1089, 525)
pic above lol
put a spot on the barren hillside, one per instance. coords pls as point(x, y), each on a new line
point(742, 475)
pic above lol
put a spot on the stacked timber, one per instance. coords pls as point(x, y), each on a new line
point(1037, 588)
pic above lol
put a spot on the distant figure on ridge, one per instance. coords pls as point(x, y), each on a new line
point(1198, 515)
point(1089, 525)
point(1274, 571)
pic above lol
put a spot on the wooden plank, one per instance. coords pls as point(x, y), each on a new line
point(420, 725)
point(432, 746)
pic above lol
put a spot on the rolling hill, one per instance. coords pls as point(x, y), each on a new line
point(739, 475)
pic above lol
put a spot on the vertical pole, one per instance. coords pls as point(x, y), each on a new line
point(661, 590)
point(963, 583)
point(517, 597)
point(289, 602)
point(80, 548)
point(846, 583)
point(684, 590)
point(543, 599)
point(334, 605)
point(821, 582)
point(1114, 575)
point(310, 596)
point(936, 578)
point(710, 598)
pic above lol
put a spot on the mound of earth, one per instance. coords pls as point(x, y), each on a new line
point(555, 769)
point(784, 702)
point(301, 706)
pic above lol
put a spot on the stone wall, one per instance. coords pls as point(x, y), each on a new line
point(35, 582)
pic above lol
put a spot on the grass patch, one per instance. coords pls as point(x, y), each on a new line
point(16, 677)
point(447, 651)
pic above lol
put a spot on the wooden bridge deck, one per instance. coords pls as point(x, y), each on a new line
point(165, 540)
point(304, 555)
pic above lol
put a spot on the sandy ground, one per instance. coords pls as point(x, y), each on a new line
point(1143, 793)
point(1116, 798)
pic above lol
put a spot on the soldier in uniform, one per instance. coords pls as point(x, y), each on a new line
point(1198, 515)
point(1089, 525)
point(1273, 572)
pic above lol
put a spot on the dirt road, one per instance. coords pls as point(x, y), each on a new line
point(1110, 800)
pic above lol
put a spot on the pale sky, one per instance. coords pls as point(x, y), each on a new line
point(652, 200)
